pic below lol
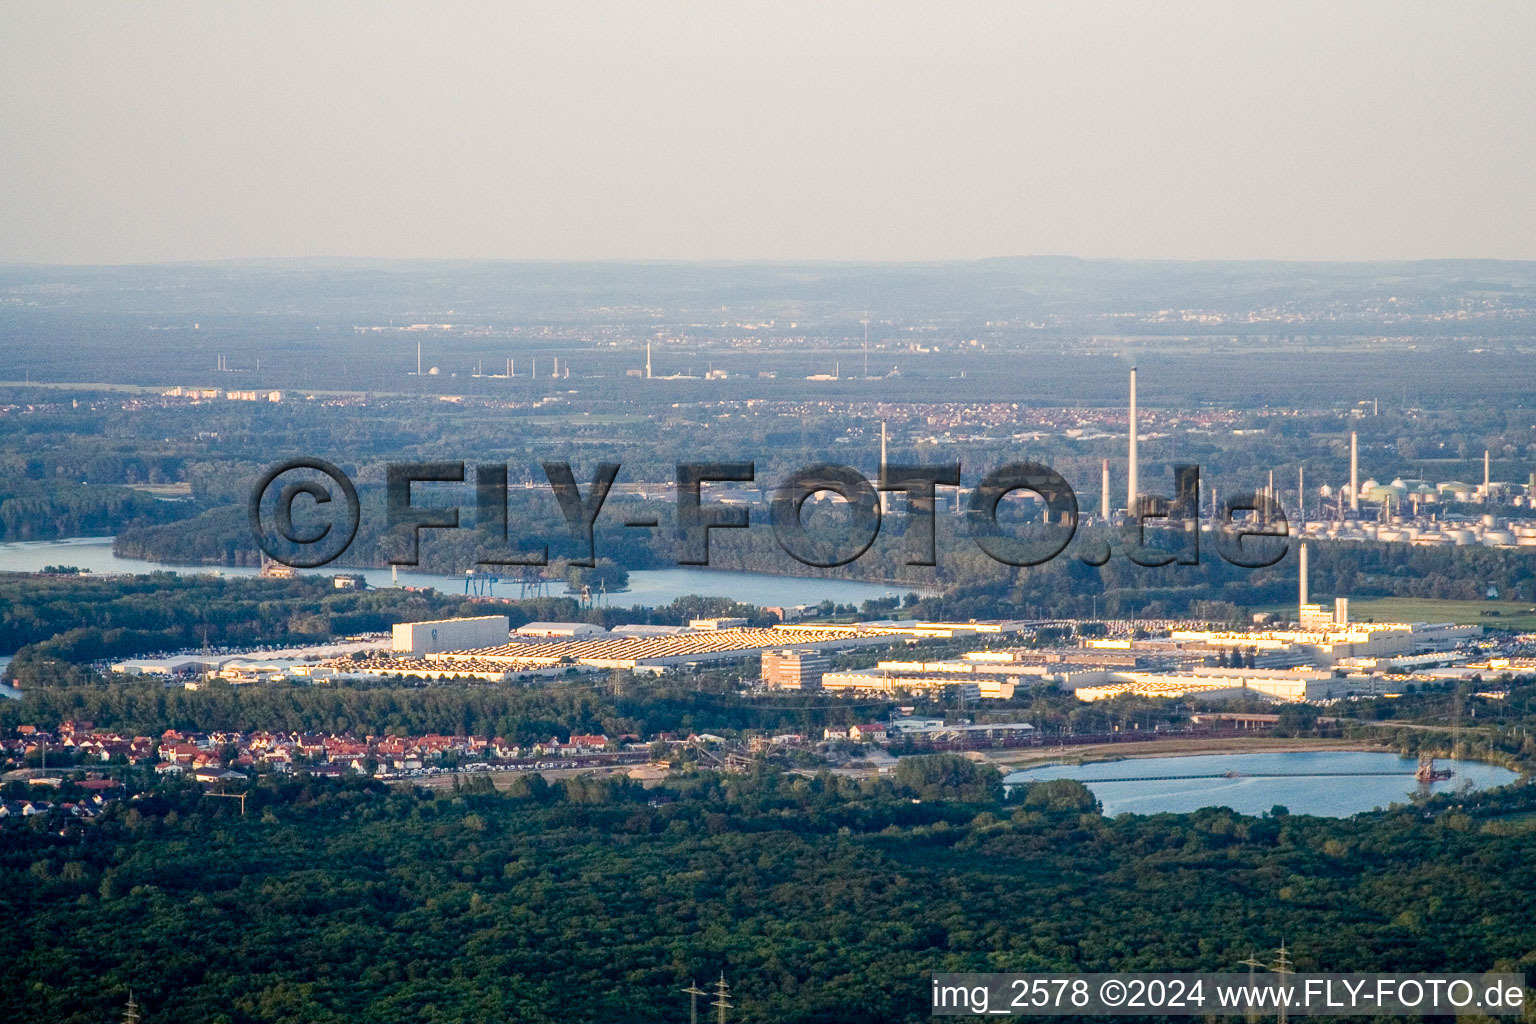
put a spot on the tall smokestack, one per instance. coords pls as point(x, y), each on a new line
point(1487, 488)
point(418, 359)
point(1104, 493)
point(1131, 481)
point(1303, 577)
point(1354, 472)
point(884, 495)
point(647, 360)
point(1301, 495)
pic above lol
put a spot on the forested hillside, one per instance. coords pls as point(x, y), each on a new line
point(821, 900)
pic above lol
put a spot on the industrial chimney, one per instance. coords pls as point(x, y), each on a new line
point(1104, 493)
point(1131, 481)
point(885, 496)
point(1354, 472)
point(1303, 602)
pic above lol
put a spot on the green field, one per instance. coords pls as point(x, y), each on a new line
point(1510, 614)
point(182, 489)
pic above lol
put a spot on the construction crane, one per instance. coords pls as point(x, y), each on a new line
point(233, 796)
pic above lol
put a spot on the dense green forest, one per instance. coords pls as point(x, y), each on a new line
point(49, 509)
point(112, 615)
point(57, 624)
point(822, 900)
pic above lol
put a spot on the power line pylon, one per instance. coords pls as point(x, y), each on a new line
point(1253, 963)
point(131, 1012)
point(1456, 722)
point(1283, 965)
point(693, 991)
point(722, 999)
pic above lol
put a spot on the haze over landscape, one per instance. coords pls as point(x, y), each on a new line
point(542, 512)
point(868, 131)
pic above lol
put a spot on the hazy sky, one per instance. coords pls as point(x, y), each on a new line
point(144, 131)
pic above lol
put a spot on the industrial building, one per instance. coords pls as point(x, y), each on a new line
point(1328, 645)
point(979, 674)
point(1427, 531)
point(1325, 657)
point(885, 684)
point(661, 652)
point(657, 652)
point(938, 730)
point(1221, 683)
point(717, 623)
point(418, 639)
point(553, 629)
point(996, 675)
point(891, 684)
point(646, 629)
point(795, 669)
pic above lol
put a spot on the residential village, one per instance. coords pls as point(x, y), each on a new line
point(77, 757)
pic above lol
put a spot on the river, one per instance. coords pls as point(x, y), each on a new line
point(648, 587)
point(1328, 783)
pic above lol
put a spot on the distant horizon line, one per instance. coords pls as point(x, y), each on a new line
point(758, 261)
